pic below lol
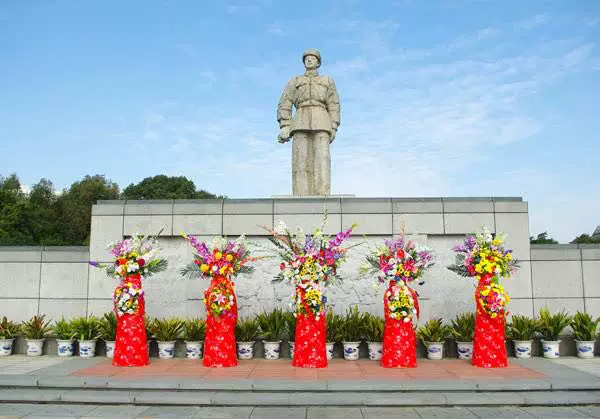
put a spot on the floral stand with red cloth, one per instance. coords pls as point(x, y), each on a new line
point(135, 258)
point(484, 257)
point(309, 263)
point(219, 260)
point(399, 262)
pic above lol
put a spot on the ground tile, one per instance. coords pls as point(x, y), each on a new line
point(554, 412)
point(444, 412)
point(115, 412)
point(500, 412)
point(169, 412)
point(225, 413)
point(390, 413)
point(9, 409)
point(278, 412)
point(592, 411)
point(61, 410)
point(333, 413)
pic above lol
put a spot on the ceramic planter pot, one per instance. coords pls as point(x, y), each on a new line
point(110, 348)
point(272, 350)
point(329, 346)
point(465, 350)
point(291, 349)
point(87, 348)
point(585, 349)
point(166, 350)
point(6, 346)
point(550, 348)
point(35, 347)
point(523, 348)
point(245, 350)
point(194, 350)
point(351, 350)
point(375, 350)
point(435, 350)
point(64, 347)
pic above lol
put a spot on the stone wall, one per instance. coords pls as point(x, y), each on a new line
point(57, 281)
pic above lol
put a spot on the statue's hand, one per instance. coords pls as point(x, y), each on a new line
point(284, 135)
point(333, 132)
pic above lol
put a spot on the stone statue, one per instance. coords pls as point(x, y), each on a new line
point(313, 127)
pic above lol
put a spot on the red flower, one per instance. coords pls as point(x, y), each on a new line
point(141, 262)
point(196, 261)
point(330, 262)
point(282, 266)
point(400, 253)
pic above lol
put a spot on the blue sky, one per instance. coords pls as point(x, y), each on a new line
point(439, 98)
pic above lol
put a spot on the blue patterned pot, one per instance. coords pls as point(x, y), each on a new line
point(87, 348)
point(329, 346)
point(465, 350)
point(585, 349)
point(64, 347)
point(6, 346)
point(351, 350)
point(245, 350)
point(193, 350)
point(435, 350)
point(375, 350)
point(272, 350)
point(523, 348)
point(166, 350)
point(35, 347)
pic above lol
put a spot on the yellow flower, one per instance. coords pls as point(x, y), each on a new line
point(218, 255)
point(204, 267)
point(229, 258)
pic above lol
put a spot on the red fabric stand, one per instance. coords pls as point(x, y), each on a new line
point(309, 347)
point(131, 346)
point(399, 339)
point(489, 349)
point(219, 343)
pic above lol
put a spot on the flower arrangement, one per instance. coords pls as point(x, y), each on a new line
point(220, 298)
point(401, 304)
point(483, 256)
point(399, 260)
point(127, 299)
point(135, 255)
point(310, 262)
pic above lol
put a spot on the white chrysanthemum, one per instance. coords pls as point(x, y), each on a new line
point(281, 228)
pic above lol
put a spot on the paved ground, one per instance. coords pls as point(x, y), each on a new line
point(90, 411)
point(450, 369)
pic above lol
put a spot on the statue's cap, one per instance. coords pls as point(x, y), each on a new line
point(314, 52)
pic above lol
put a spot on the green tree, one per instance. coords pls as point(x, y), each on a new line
point(165, 187)
point(542, 238)
point(586, 239)
point(43, 214)
point(75, 206)
point(13, 217)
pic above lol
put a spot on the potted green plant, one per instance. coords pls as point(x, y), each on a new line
point(433, 334)
point(333, 325)
point(35, 331)
point(353, 332)
point(63, 332)
point(87, 332)
point(246, 331)
point(272, 327)
point(522, 330)
point(375, 326)
point(290, 320)
point(462, 328)
point(108, 332)
point(585, 330)
point(550, 327)
point(8, 332)
point(193, 334)
point(166, 332)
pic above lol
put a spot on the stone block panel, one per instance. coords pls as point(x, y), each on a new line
point(467, 206)
point(149, 207)
point(109, 208)
point(521, 306)
point(194, 309)
point(20, 280)
point(249, 224)
point(198, 206)
point(417, 206)
point(555, 252)
point(516, 227)
point(571, 305)
point(66, 254)
point(554, 279)
point(307, 206)
point(64, 280)
point(56, 308)
point(248, 206)
point(370, 224)
point(206, 224)
point(510, 206)
point(100, 285)
point(590, 253)
point(418, 223)
point(519, 285)
point(97, 307)
point(468, 223)
point(20, 254)
point(366, 205)
point(592, 306)
point(308, 222)
point(591, 277)
point(148, 225)
point(19, 309)
point(104, 230)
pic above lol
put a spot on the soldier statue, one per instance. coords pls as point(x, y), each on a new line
point(313, 126)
